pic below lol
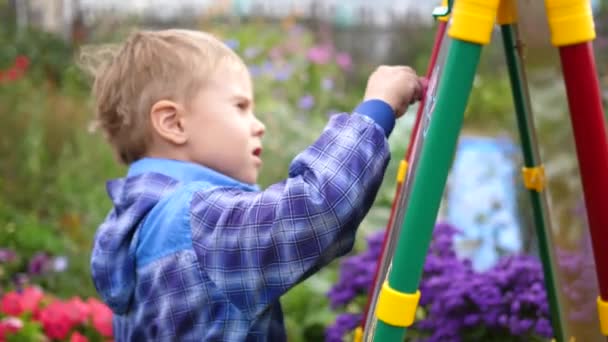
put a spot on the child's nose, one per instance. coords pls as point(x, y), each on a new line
point(258, 127)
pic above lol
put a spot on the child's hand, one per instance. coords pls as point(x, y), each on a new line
point(399, 86)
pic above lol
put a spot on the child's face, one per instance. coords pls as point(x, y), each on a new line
point(224, 133)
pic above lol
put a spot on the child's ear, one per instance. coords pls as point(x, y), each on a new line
point(165, 117)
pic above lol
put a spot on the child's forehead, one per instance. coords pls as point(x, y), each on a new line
point(233, 72)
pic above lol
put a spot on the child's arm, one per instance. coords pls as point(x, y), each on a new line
point(256, 245)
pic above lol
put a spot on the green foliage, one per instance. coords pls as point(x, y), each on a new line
point(31, 331)
point(50, 55)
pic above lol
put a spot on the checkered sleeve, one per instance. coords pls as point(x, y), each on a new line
point(254, 246)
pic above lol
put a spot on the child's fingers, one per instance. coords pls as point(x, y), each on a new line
point(424, 82)
point(419, 90)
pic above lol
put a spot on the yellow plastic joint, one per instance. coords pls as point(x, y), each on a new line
point(473, 20)
point(534, 177)
point(570, 21)
point(445, 18)
point(402, 172)
point(602, 309)
point(358, 337)
point(507, 12)
point(396, 308)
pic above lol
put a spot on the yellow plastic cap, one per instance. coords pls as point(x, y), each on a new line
point(602, 309)
point(402, 172)
point(473, 20)
point(534, 178)
point(396, 308)
point(445, 18)
point(507, 12)
point(358, 336)
point(570, 21)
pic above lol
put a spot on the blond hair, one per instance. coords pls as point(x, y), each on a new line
point(149, 66)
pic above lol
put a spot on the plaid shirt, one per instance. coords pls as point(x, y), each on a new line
point(189, 254)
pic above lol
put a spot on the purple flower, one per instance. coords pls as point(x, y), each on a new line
point(267, 67)
point(344, 323)
point(7, 255)
point(327, 84)
point(339, 296)
point(306, 102)
point(320, 54)
point(251, 52)
point(39, 264)
point(283, 73)
point(232, 43)
point(276, 53)
point(20, 280)
point(344, 61)
point(60, 264)
point(296, 30)
point(507, 301)
point(579, 281)
point(255, 70)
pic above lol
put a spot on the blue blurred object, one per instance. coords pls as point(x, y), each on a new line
point(345, 15)
point(482, 201)
point(596, 5)
point(241, 7)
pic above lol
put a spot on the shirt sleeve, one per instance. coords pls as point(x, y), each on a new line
point(255, 246)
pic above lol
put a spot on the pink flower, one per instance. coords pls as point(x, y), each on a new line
point(30, 298)
point(14, 74)
point(9, 325)
point(102, 317)
point(11, 304)
point(22, 62)
point(78, 337)
point(12, 324)
point(56, 319)
point(15, 303)
point(344, 60)
point(320, 54)
point(276, 53)
point(79, 310)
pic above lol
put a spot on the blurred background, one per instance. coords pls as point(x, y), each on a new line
point(309, 59)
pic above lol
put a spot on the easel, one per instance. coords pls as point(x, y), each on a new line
point(394, 298)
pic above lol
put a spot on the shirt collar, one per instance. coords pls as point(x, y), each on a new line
point(185, 172)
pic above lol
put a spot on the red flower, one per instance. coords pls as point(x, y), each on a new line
point(22, 62)
point(30, 298)
point(9, 325)
point(79, 310)
point(12, 324)
point(11, 304)
point(102, 317)
point(15, 303)
point(13, 74)
point(56, 319)
point(3, 331)
point(78, 337)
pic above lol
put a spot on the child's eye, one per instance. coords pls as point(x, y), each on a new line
point(242, 105)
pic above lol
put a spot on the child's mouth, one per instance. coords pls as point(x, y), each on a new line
point(257, 152)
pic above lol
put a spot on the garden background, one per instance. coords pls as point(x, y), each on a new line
point(53, 166)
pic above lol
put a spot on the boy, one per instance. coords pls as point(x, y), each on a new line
point(192, 250)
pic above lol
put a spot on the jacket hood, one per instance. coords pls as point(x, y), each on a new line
point(113, 261)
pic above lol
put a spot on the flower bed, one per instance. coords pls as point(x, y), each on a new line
point(506, 302)
point(31, 315)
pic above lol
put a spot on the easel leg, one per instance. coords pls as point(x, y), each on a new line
point(507, 19)
point(471, 29)
point(572, 31)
